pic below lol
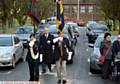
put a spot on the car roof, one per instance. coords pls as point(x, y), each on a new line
point(26, 26)
point(71, 23)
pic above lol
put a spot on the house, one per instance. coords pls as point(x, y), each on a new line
point(88, 10)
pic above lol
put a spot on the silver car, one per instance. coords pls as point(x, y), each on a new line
point(94, 58)
point(23, 32)
point(11, 50)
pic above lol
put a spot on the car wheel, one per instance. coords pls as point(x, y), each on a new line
point(13, 62)
point(93, 71)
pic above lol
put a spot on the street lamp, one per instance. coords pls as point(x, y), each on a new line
point(78, 16)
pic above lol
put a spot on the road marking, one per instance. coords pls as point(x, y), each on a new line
point(88, 60)
point(87, 49)
point(5, 73)
point(89, 73)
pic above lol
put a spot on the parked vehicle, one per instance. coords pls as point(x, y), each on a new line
point(11, 50)
point(94, 57)
point(94, 30)
point(73, 27)
point(53, 30)
point(23, 32)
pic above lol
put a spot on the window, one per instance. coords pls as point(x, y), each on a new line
point(82, 9)
point(90, 9)
point(66, 9)
point(16, 40)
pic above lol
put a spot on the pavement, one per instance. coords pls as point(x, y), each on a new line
point(78, 72)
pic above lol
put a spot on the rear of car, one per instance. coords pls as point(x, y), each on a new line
point(94, 31)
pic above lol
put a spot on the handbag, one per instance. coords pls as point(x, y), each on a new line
point(102, 57)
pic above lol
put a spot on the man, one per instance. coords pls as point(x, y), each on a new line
point(61, 56)
point(116, 46)
point(33, 58)
point(46, 43)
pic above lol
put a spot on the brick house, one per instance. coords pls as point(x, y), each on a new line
point(88, 10)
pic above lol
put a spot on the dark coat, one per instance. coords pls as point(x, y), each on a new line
point(35, 50)
point(46, 48)
point(104, 47)
point(57, 52)
point(116, 48)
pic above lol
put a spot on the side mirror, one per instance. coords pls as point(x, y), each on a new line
point(91, 45)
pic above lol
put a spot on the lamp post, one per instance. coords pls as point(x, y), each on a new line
point(78, 16)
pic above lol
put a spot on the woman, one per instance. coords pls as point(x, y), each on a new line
point(106, 47)
point(33, 58)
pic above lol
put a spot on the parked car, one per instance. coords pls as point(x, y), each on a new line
point(40, 29)
point(23, 32)
point(93, 31)
point(11, 50)
point(53, 30)
point(73, 27)
point(81, 23)
point(94, 58)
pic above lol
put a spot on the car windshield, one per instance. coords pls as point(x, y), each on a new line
point(54, 30)
point(41, 26)
point(6, 41)
point(100, 39)
point(24, 31)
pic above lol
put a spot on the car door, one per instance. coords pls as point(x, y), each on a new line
point(18, 48)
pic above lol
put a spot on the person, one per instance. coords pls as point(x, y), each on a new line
point(33, 58)
point(106, 47)
point(61, 56)
point(46, 45)
point(116, 46)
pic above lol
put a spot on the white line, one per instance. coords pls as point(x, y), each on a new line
point(88, 60)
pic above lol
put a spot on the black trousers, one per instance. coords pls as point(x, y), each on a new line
point(34, 71)
point(44, 66)
point(106, 69)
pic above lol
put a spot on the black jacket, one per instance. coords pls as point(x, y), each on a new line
point(46, 48)
point(116, 48)
point(65, 46)
point(35, 50)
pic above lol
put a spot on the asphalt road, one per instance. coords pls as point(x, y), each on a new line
point(78, 72)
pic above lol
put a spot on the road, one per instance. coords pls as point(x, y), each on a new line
point(78, 72)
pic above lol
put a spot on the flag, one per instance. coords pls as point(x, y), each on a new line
point(60, 16)
point(31, 14)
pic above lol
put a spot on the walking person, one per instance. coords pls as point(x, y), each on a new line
point(61, 56)
point(46, 45)
point(106, 47)
point(116, 47)
point(33, 58)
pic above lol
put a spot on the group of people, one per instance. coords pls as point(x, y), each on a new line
point(49, 50)
point(111, 50)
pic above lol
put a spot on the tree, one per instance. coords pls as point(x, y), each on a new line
point(45, 8)
point(110, 9)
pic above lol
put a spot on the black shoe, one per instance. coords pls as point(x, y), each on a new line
point(43, 72)
point(59, 81)
point(64, 81)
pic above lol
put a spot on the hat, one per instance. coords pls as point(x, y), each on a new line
point(107, 34)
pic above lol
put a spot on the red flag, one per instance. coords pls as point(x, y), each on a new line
point(33, 2)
